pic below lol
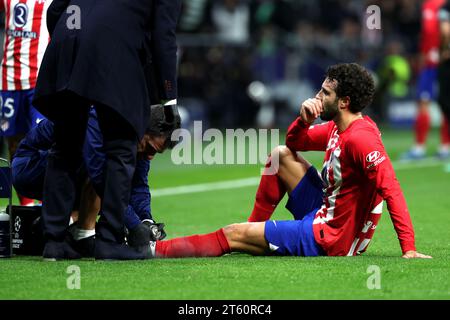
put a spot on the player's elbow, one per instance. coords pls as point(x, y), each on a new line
point(290, 143)
point(294, 144)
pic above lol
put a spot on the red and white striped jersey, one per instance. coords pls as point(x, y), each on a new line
point(26, 38)
point(358, 176)
point(430, 37)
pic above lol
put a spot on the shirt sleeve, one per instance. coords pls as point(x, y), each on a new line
point(38, 140)
point(140, 191)
point(41, 137)
point(304, 137)
point(367, 152)
point(164, 46)
point(93, 154)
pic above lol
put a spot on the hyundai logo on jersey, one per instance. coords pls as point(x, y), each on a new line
point(373, 156)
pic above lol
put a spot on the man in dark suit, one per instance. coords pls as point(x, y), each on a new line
point(444, 64)
point(102, 63)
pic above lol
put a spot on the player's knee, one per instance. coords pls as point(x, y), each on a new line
point(235, 232)
point(281, 153)
point(284, 155)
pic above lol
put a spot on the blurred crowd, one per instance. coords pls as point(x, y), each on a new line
point(246, 63)
point(249, 63)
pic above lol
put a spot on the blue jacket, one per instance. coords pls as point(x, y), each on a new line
point(30, 160)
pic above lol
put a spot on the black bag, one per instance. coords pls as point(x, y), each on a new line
point(27, 233)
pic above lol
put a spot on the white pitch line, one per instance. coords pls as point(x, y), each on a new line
point(404, 165)
point(203, 187)
point(249, 182)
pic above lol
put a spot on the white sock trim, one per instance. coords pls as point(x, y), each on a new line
point(444, 148)
point(419, 148)
point(79, 234)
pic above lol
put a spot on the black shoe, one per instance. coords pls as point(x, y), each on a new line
point(106, 250)
point(59, 250)
point(85, 247)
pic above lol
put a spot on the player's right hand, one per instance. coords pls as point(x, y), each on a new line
point(414, 254)
point(172, 119)
point(311, 110)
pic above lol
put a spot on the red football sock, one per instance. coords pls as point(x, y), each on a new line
point(206, 245)
point(422, 127)
point(270, 192)
point(445, 136)
point(24, 201)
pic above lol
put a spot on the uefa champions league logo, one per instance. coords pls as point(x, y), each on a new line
point(17, 224)
point(20, 15)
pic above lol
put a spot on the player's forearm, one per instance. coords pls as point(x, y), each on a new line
point(401, 219)
point(296, 137)
point(140, 193)
point(141, 207)
point(302, 137)
point(131, 219)
point(389, 188)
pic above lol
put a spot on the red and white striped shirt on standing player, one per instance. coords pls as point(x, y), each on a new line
point(26, 38)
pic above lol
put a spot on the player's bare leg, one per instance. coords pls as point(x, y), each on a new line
point(243, 237)
point(293, 168)
point(83, 231)
point(247, 237)
point(89, 207)
point(277, 180)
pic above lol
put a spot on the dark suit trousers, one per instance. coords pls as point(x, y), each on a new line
point(444, 88)
point(70, 118)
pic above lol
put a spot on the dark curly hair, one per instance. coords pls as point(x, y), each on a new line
point(353, 81)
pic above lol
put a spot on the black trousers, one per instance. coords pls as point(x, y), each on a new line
point(70, 117)
point(444, 88)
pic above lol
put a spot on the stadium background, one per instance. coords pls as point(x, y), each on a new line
point(283, 48)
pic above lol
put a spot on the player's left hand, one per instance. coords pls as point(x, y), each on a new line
point(414, 254)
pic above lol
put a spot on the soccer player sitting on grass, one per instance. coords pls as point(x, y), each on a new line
point(28, 171)
point(336, 212)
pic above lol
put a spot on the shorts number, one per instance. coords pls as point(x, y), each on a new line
point(8, 107)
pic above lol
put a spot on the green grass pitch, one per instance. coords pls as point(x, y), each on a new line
point(240, 276)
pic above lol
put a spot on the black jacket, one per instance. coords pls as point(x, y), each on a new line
point(108, 59)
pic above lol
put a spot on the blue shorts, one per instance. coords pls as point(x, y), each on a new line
point(427, 84)
point(18, 116)
point(296, 237)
